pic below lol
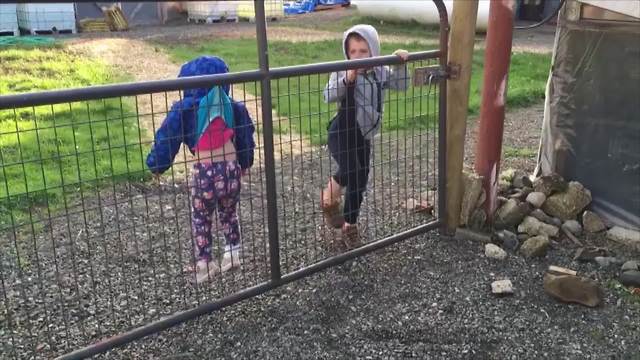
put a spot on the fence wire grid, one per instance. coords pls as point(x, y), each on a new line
point(93, 246)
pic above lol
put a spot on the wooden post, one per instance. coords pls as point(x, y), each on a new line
point(461, 41)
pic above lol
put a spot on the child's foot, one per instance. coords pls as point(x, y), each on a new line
point(232, 258)
point(330, 202)
point(205, 271)
point(351, 236)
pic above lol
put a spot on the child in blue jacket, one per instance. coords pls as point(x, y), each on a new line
point(219, 131)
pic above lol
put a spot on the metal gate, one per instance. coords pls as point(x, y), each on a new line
point(92, 250)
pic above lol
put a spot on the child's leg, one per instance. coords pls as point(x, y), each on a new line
point(228, 193)
point(357, 180)
point(202, 207)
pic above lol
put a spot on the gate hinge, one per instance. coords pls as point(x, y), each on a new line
point(435, 73)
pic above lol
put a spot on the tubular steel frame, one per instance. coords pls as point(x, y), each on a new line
point(264, 75)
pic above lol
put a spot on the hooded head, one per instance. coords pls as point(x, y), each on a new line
point(368, 33)
point(203, 65)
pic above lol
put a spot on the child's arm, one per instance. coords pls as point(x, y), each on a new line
point(397, 75)
point(169, 137)
point(336, 87)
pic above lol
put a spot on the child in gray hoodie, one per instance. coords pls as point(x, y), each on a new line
point(360, 93)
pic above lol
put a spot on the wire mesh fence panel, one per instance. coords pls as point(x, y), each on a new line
point(402, 181)
point(94, 246)
point(90, 244)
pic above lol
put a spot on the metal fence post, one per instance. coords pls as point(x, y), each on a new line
point(267, 127)
point(442, 110)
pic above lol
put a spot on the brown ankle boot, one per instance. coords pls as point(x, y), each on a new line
point(332, 213)
point(351, 236)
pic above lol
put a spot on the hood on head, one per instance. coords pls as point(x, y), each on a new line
point(203, 65)
point(367, 32)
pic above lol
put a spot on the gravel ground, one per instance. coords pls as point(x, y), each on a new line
point(427, 297)
point(115, 260)
point(81, 280)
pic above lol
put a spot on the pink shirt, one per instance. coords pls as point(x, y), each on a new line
point(214, 136)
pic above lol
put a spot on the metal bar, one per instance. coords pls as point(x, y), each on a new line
point(326, 67)
point(204, 81)
point(267, 127)
point(442, 111)
point(124, 89)
point(494, 96)
point(208, 308)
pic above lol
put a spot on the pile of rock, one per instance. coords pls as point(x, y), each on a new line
point(543, 209)
point(532, 213)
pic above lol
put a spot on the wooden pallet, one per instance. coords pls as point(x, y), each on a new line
point(93, 25)
point(330, 7)
point(116, 19)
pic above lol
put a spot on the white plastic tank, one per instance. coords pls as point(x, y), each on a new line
point(53, 17)
point(210, 11)
point(8, 20)
point(424, 12)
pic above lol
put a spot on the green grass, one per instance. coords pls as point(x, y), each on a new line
point(49, 153)
point(623, 292)
point(300, 98)
point(511, 152)
point(384, 27)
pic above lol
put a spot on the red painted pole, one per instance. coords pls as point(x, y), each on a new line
point(494, 95)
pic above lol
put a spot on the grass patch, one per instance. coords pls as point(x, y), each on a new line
point(384, 27)
point(49, 153)
point(623, 292)
point(300, 98)
point(511, 152)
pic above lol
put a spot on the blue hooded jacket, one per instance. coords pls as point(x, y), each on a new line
point(180, 124)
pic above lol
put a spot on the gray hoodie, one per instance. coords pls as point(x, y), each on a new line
point(368, 106)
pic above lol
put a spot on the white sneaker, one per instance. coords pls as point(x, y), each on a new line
point(232, 258)
point(206, 271)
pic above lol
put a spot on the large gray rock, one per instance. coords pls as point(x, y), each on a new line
point(521, 194)
point(535, 247)
point(573, 227)
point(627, 237)
point(592, 223)
point(550, 184)
point(472, 185)
point(508, 239)
point(630, 278)
point(504, 180)
point(493, 251)
point(607, 261)
point(521, 180)
point(567, 205)
point(630, 265)
point(536, 199)
point(586, 254)
point(478, 220)
point(511, 214)
point(533, 227)
point(540, 215)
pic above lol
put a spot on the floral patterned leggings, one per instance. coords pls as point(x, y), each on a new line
point(216, 187)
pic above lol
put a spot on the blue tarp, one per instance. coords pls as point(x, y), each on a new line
point(306, 6)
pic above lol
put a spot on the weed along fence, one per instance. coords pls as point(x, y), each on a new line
point(93, 247)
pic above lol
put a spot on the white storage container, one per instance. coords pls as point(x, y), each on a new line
point(45, 18)
point(210, 11)
point(424, 12)
point(8, 20)
point(273, 10)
